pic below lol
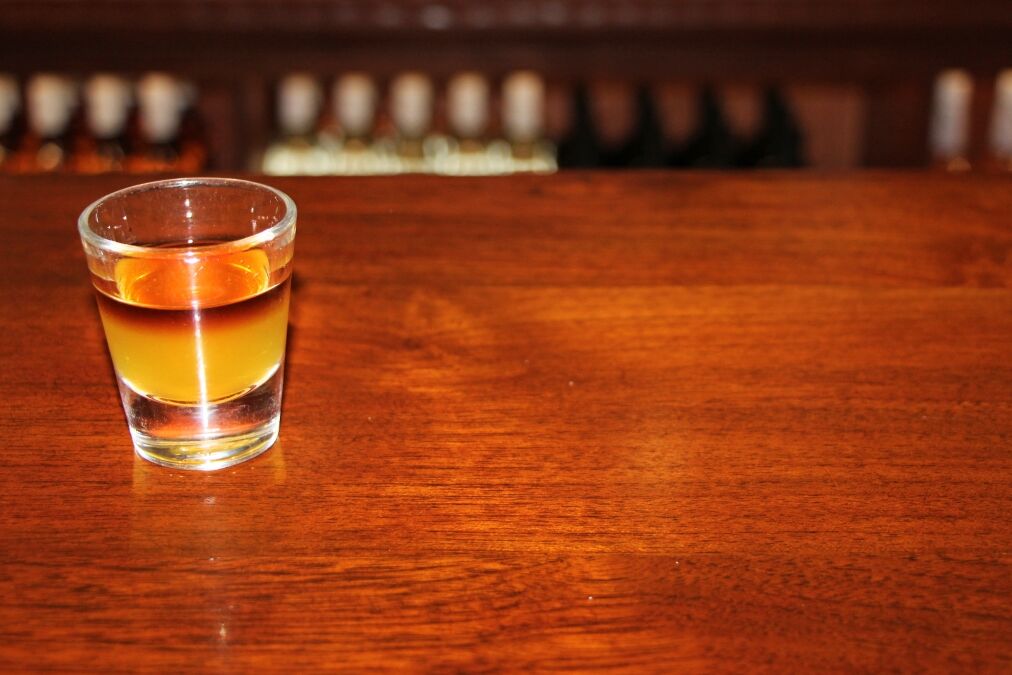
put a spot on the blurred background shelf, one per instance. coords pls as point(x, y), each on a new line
point(858, 74)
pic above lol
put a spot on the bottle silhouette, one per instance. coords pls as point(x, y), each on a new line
point(51, 100)
point(711, 146)
point(10, 104)
point(581, 148)
point(415, 147)
point(297, 149)
point(949, 135)
point(354, 99)
point(104, 148)
point(645, 147)
point(1000, 131)
point(467, 113)
point(193, 141)
point(161, 101)
point(778, 143)
point(523, 147)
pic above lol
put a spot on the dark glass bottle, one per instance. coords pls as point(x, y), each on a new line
point(712, 145)
point(107, 110)
point(778, 144)
point(170, 134)
point(52, 101)
point(581, 148)
point(645, 147)
point(10, 119)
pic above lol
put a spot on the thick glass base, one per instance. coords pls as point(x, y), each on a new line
point(209, 436)
point(206, 454)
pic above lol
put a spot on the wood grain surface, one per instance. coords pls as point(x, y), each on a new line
point(636, 423)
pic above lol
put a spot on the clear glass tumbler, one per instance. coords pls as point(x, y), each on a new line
point(192, 279)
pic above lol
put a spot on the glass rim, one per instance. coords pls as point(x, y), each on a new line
point(89, 236)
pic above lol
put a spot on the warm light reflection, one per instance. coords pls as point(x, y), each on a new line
point(200, 362)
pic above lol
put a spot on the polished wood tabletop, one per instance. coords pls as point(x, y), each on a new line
point(640, 422)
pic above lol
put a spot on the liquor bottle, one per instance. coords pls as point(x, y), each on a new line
point(949, 138)
point(712, 145)
point(193, 144)
point(1000, 133)
point(414, 148)
point(52, 100)
point(645, 147)
point(524, 148)
point(354, 151)
point(162, 101)
point(778, 142)
point(10, 104)
point(581, 149)
point(107, 107)
point(298, 149)
point(467, 112)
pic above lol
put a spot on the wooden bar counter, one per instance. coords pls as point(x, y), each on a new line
point(637, 422)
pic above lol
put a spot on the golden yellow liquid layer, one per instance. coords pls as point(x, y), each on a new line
point(196, 331)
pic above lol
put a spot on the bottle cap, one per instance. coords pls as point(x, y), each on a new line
point(523, 106)
point(51, 102)
point(411, 104)
point(950, 114)
point(162, 100)
point(1001, 116)
point(354, 100)
point(107, 100)
point(299, 101)
point(10, 101)
point(467, 104)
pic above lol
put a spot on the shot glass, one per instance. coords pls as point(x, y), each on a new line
point(192, 279)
